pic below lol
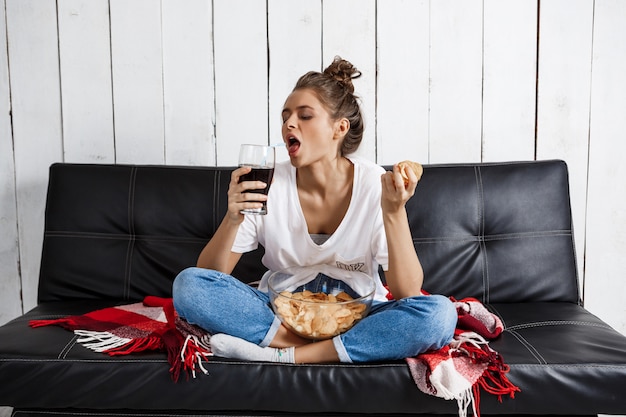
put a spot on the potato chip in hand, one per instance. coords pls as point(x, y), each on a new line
point(404, 166)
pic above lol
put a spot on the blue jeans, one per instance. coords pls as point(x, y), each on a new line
point(220, 303)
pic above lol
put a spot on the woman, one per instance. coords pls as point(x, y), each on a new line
point(324, 207)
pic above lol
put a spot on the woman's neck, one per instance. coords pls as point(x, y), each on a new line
point(325, 191)
point(326, 176)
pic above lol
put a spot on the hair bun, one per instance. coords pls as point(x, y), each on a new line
point(344, 72)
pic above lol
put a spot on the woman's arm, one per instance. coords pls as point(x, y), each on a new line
point(404, 275)
point(217, 253)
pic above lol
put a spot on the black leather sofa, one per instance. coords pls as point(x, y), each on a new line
point(499, 232)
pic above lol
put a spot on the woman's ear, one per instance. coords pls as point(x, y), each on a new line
point(342, 126)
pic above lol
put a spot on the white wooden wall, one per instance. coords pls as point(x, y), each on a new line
point(185, 82)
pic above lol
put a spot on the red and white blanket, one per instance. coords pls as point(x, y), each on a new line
point(150, 325)
point(457, 371)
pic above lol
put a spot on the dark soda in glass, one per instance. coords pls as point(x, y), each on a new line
point(259, 174)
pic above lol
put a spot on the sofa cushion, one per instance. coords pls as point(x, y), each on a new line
point(555, 350)
point(497, 232)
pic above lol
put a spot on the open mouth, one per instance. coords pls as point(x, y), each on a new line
point(293, 144)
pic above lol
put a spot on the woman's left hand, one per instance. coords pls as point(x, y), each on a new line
point(394, 193)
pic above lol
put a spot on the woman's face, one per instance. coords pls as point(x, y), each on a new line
point(308, 131)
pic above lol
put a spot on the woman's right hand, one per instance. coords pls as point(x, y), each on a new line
point(239, 198)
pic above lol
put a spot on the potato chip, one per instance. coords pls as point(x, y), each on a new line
point(318, 315)
point(405, 165)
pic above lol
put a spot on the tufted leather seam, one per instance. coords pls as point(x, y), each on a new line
point(119, 359)
point(528, 346)
point(522, 235)
point(248, 363)
point(131, 232)
point(140, 238)
point(567, 365)
point(86, 414)
point(471, 239)
point(557, 323)
point(481, 233)
point(66, 412)
point(83, 360)
point(68, 347)
point(503, 236)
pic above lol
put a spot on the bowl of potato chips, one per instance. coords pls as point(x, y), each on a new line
point(320, 302)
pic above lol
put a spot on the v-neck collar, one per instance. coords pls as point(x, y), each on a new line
point(294, 195)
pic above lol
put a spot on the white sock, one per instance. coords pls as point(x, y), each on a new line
point(228, 346)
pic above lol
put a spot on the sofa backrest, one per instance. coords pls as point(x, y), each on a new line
point(497, 232)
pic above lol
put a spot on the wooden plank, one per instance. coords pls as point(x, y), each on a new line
point(402, 114)
point(456, 81)
point(606, 202)
point(563, 97)
point(240, 76)
point(292, 26)
point(137, 81)
point(85, 59)
point(349, 28)
point(11, 303)
point(36, 109)
point(188, 87)
point(510, 76)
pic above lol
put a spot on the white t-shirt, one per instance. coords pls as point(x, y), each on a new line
point(359, 243)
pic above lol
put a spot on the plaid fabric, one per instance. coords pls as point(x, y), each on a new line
point(460, 370)
point(150, 325)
